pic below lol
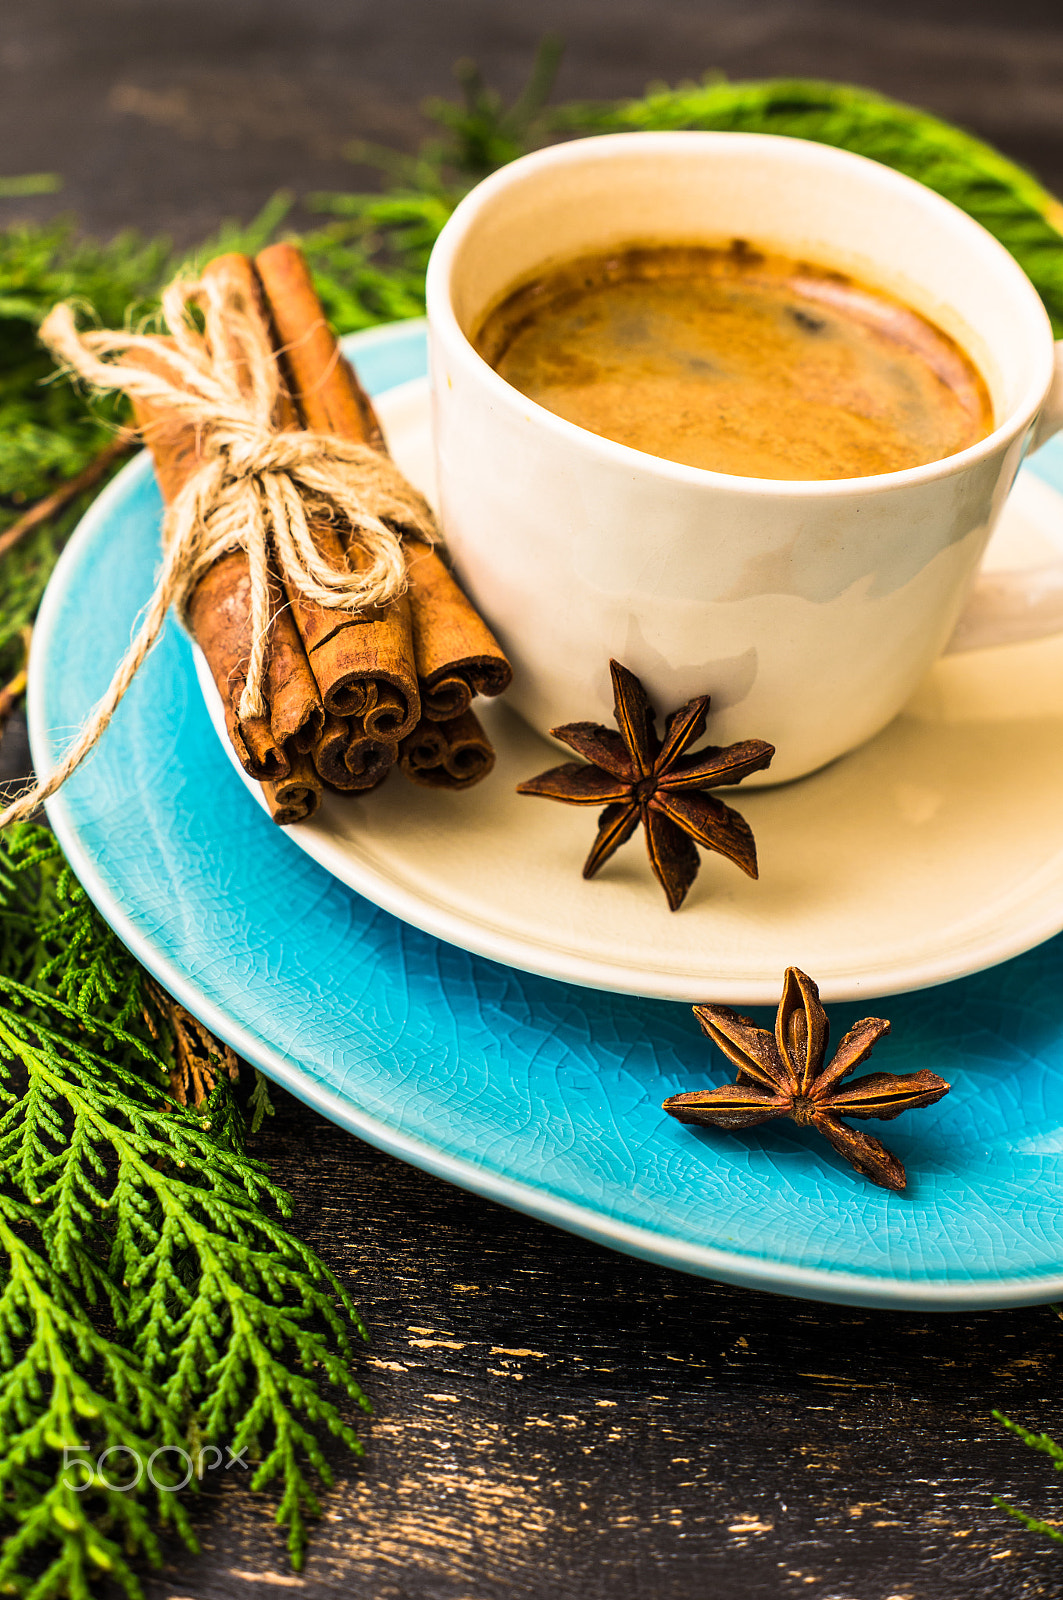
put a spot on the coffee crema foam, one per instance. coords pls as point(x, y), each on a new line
point(738, 360)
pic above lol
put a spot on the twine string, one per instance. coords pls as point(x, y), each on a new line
point(256, 488)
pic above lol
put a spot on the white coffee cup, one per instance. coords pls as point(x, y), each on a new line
point(808, 610)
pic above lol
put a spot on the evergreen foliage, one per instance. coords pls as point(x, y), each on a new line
point(151, 1294)
point(1045, 1446)
point(485, 133)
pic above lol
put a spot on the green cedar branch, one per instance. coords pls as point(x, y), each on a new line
point(121, 1209)
point(67, 1391)
point(1045, 1445)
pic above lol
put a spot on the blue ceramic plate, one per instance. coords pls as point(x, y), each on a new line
point(533, 1092)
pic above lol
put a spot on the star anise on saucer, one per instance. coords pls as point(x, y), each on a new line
point(783, 1075)
point(639, 778)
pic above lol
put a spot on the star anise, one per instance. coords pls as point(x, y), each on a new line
point(783, 1075)
point(639, 778)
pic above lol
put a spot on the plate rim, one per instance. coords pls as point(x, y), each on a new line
point(750, 1272)
point(662, 1249)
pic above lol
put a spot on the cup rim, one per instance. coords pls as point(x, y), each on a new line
point(443, 321)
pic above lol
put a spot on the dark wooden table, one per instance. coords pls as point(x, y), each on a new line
point(553, 1421)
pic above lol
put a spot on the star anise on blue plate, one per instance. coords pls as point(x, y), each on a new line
point(640, 778)
point(783, 1075)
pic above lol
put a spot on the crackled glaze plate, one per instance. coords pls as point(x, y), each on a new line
point(536, 1092)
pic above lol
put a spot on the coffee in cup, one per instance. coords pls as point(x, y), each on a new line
point(738, 360)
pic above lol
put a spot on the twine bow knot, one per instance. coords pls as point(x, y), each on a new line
point(256, 488)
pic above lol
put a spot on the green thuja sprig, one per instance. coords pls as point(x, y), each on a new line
point(485, 133)
point(1044, 1445)
point(259, 1104)
point(96, 976)
point(150, 1292)
point(47, 432)
point(80, 1426)
point(369, 262)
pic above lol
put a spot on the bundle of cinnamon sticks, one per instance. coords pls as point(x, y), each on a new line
point(349, 694)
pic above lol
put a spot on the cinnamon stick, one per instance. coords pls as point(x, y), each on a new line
point(369, 760)
point(364, 665)
point(219, 615)
point(323, 386)
point(219, 609)
point(328, 751)
point(425, 749)
point(455, 653)
point(296, 712)
point(297, 796)
point(447, 755)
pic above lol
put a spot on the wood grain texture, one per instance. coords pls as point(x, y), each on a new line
point(556, 1422)
point(173, 115)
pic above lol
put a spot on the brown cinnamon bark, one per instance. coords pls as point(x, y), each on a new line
point(347, 758)
point(296, 797)
point(329, 750)
point(219, 609)
point(361, 662)
point(455, 653)
point(323, 385)
point(219, 615)
point(364, 665)
point(425, 749)
point(295, 710)
point(369, 760)
point(465, 753)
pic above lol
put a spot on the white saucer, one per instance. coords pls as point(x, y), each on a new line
point(934, 851)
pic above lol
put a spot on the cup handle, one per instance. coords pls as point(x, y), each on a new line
point(1009, 607)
